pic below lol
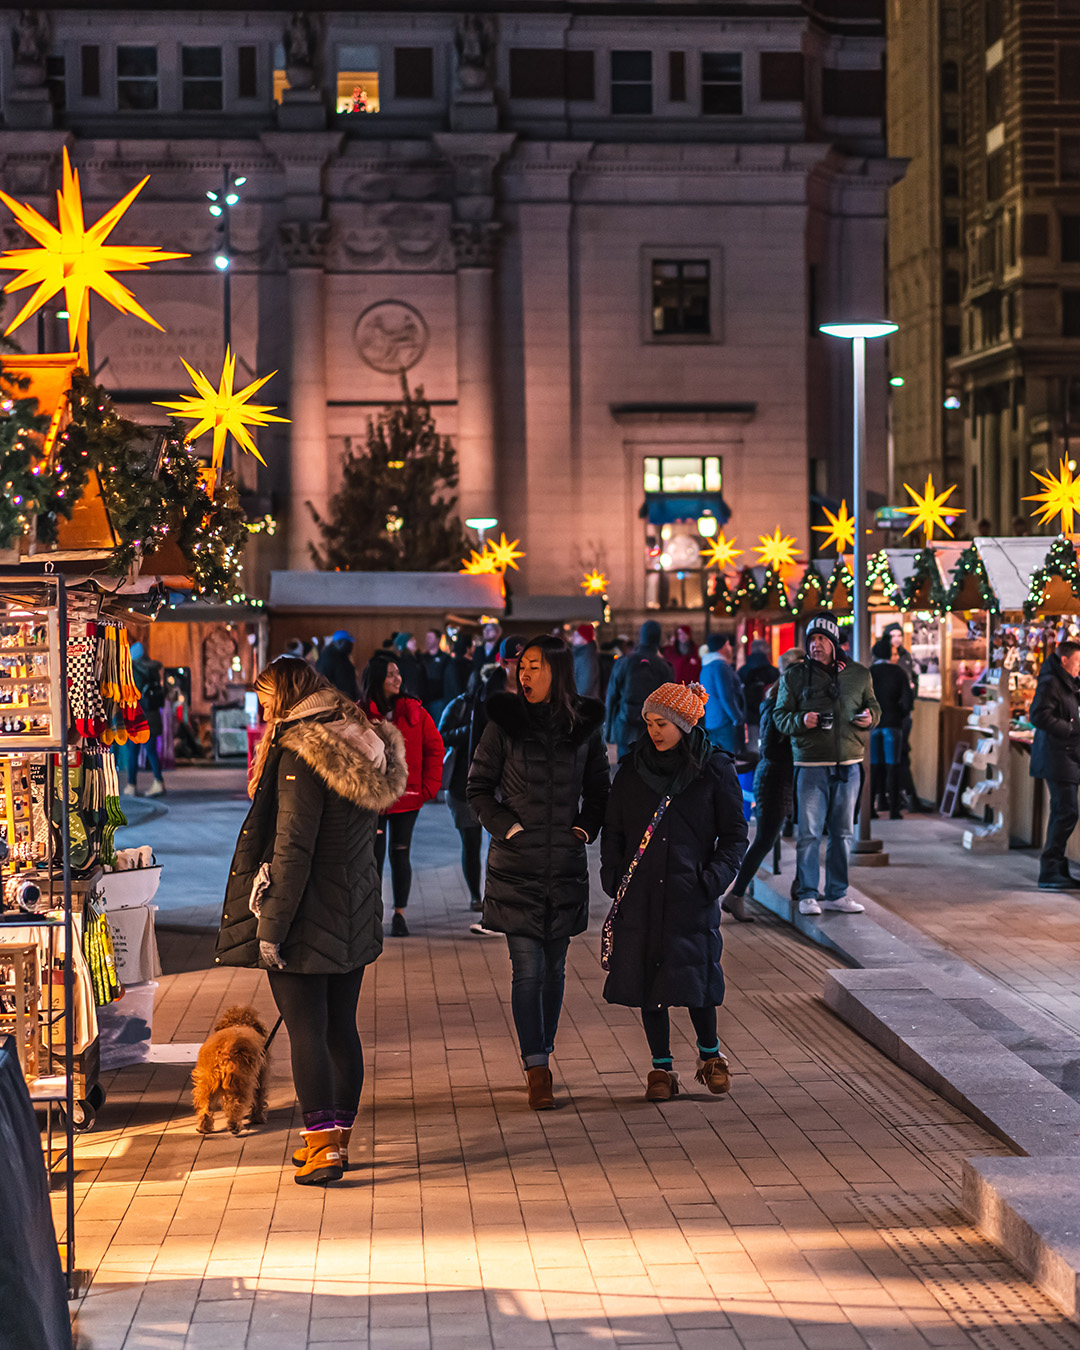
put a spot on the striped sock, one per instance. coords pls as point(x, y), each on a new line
point(705, 1053)
point(663, 1063)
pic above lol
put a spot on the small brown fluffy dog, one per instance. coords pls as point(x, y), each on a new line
point(230, 1073)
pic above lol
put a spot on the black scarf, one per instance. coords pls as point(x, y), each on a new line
point(670, 772)
point(832, 673)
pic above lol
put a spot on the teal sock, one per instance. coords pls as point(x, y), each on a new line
point(713, 1053)
point(664, 1063)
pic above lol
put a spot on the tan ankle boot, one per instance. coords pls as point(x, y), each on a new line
point(661, 1085)
point(541, 1095)
point(300, 1156)
point(323, 1161)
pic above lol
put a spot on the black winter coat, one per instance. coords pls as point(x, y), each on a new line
point(634, 678)
point(893, 691)
point(537, 883)
point(667, 944)
point(313, 820)
point(756, 676)
point(775, 772)
point(336, 664)
point(462, 725)
point(1055, 715)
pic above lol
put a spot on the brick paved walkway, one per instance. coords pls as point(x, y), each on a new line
point(813, 1208)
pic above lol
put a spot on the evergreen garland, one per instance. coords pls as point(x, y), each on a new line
point(925, 569)
point(394, 511)
point(841, 575)
point(1061, 561)
point(968, 564)
point(25, 489)
point(811, 589)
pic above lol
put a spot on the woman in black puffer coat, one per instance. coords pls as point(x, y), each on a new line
point(303, 900)
point(539, 783)
point(666, 928)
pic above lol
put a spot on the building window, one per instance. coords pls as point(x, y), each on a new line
point(994, 21)
point(680, 298)
point(56, 82)
point(90, 71)
point(951, 231)
point(201, 82)
point(1070, 239)
point(136, 79)
point(552, 73)
point(995, 176)
point(1069, 159)
point(1068, 90)
point(280, 75)
point(684, 510)
point(950, 129)
point(950, 77)
point(414, 72)
point(950, 180)
point(853, 93)
point(631, 82)
point(1070, 313)
point(721, 84)
point(247, 72)
point(995, 95)
point(781, 77)
point(676, 77)
point(951, 286)
point(357, 80)
point(952, 339)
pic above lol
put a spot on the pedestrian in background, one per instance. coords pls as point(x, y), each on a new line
point(508, 657)
point(303, 900)
point(673, 837)
point(827, 706)
point(725, 712)
point(434, 669)
point(151, 687)
point(408, 664)
point(773, 779)
point(635, 676)
point(586, 660)
point(895, 697)
point(539, 783)
point(461, 663)
point(382, 698)
point(1055, 756)
point(336, 664)
point(487, 649)
point(681, 654)
point(757, 674)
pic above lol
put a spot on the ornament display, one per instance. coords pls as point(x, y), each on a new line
point(929, 512)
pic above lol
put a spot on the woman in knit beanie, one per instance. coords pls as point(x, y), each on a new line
point(673, 839)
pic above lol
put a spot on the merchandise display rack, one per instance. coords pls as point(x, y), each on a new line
point(34, 612)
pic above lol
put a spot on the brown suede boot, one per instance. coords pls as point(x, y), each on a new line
point(541, 1096)
point(300, 1156)
point(323, 1161)
point(714, 1074)
point(661, 1085)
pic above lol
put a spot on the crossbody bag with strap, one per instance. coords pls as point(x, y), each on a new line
point(607, 937)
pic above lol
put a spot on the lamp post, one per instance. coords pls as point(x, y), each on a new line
point(221, 203)
point(481, 524)
point(865, 850)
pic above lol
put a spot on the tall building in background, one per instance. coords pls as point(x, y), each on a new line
point(600, 236)
point(926, 239)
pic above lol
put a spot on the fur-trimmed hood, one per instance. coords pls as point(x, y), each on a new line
point(332, 750)
point(510, 712)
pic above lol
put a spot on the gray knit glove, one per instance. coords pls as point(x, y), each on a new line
point(270, 955)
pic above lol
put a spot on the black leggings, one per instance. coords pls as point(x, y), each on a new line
point(399, 826)
point(327, 1057)
point(471, 839)
point(657, 1026)
point(770, 821)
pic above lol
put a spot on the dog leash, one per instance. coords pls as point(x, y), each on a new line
point(273, 1033)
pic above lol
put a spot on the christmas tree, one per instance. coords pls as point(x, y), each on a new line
point(394, 511)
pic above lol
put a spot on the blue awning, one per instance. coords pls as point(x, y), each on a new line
point(664, 508)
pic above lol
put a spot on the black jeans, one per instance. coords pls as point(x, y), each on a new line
point(657, 1026)
point(471, 839)
point(770, 821)
point(399, 827)
point(536, 993)
point(1064, 813)
point(327, 1058)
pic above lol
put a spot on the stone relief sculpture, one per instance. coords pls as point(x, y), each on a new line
point(30, 46)
point(301, 46)
point(474, 41)
point(391, 336)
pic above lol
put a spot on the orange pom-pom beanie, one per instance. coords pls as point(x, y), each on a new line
point(683, 704)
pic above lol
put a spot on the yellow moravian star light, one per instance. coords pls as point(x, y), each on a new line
point(224, 410)
point(929, 510)
point(840, 529)
point(594, 582)
point(776, 550)
point(721, 552)
point(76, 259)
point(1060, 497)
point(477, 564)
point(505, 553)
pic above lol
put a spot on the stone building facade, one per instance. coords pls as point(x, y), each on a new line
point(600, 237)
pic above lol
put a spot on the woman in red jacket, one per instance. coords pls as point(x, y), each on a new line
point(682, 655)
point(381, 698)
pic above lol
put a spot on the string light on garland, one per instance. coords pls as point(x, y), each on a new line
point(776, 550)
point(1061, 561)
point(840, 531)
point(811, 587)
point(929, 512)
point(925, 574)
point(76, 259)
point(970, 564)
point(721, 552)
point(264, 525)
point(594, 582)
point(1059, 497)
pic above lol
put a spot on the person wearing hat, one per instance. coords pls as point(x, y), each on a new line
point(725, 715)
point(827, 706)
point(336, 664)
point(586, 660)
point(408, 663)
point(673, 837)
point(634, 677)
point(507, 657)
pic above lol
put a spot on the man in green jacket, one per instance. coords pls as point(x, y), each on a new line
point(827, 707)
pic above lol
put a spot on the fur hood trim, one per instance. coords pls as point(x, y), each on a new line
point(328, 749)
point(510, 713)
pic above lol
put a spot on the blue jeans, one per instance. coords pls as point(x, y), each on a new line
point(885, 745)
point(127, 758)
point(825, 799)
point(536, 993)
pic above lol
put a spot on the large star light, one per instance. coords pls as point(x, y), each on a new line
point(225, 410)
point(76, 259)
point(839, 531)
point(776, 550)
point(721, 552)
point(505, 553)
point(1060, 497)
point(929, 511)
point(477, 564)
point(594, 582)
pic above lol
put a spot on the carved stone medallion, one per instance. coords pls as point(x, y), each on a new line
point(391, 336)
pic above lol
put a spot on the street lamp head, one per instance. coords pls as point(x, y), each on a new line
point(481, 522)
point(231, 198)
point(212, 196)
point(215, 210)
point(221, 262)
point(239, 182)
point(858, 330)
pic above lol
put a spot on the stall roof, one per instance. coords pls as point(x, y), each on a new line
point(391, 591)
point(556, 609)
point(1009, 566)
point(901, 563)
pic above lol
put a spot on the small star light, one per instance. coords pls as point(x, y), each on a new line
point(1060, 497)
point(839, 531)
point(594, 582)
point(76, 260)
point(776, 550)
point(477, 564)
point(721, 552)
point(225, 410)
point(929, 509)
point(504, 554)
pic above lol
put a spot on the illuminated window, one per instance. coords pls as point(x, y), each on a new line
point(281, 80)
point(682, 473)
point(358, 80)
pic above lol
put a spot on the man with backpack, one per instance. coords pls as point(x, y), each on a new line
point(633, 679)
